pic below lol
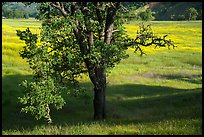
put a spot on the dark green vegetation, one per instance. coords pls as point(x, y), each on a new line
point(160, 93)
point(175, 10)
point(160, 10)
point(164, 11)
point(19, 10)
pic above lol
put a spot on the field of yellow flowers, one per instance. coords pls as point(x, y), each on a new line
point(12, 63)
point(186, 35)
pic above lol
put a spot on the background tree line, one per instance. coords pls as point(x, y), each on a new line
point(19, 10)
point(177, 10)
point(144, 11)
point(147, 11)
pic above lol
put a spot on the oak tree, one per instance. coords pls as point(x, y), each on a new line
point(77, 38)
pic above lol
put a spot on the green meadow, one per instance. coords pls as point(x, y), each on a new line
point(159, 93)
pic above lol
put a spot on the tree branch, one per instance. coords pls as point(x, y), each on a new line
point(60, 7)
point(146, 38)
point(100, 19)
point(111, 13)
point(86, 17)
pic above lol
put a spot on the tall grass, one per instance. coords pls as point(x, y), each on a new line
point(157, 94)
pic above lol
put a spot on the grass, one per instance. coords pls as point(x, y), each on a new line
point(157, 94)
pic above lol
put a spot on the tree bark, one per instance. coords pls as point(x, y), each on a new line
point(99, 101)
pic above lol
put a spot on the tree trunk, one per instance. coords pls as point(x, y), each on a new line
point(99, 101)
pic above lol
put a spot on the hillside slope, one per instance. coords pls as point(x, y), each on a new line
point(173, 10)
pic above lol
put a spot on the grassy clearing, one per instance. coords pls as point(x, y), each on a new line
point(157, 94)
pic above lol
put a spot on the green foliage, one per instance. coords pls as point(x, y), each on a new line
point(175, 10)
point(131, 10)
point(39, 96)
point(146, 15)
point(130, 5)
point(109, 55)
point(43, 92)
point(30, 40)
point(19, 10)
point(191, 14)
point(58, 32)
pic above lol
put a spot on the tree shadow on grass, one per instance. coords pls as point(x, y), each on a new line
point(195, 79)
point(13, 119)
point(11, 90)
point(149, 103)
point(185, 77)
point(127, 103)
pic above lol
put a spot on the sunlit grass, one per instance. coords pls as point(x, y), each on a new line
point(165, 127)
